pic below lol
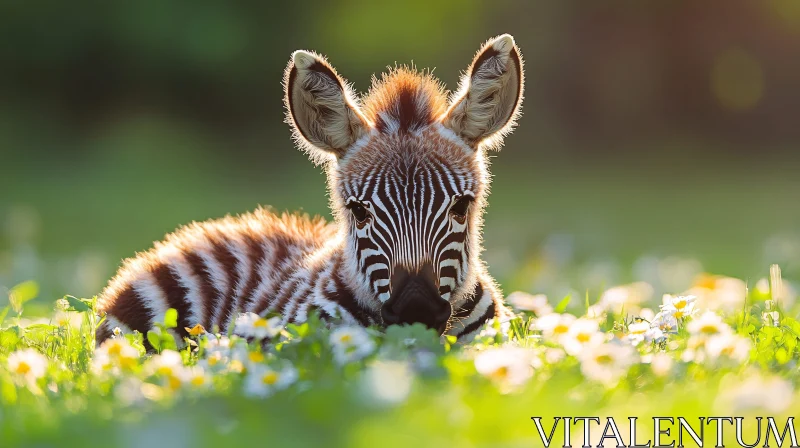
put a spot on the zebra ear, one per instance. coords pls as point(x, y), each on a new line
point(489, 97)
point(321, 109)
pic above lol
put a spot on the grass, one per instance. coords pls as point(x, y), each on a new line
point(572, 232)
point(313, 386)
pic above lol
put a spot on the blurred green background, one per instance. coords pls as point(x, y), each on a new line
point(659, 139)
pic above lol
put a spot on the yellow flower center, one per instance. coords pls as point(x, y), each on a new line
point(270, 378)
point(115, 349)
point(583, 337)
point(237, 366)
point(23, 368)
point(678, 314)
point(709, 329)
point(260, 323)
point(603, 359)
point(500, 373)
point(680, 304)
point(727, 351)
point(164, 370)
point(198, 380)
point(173, 382)
point(126, 362)
point(213, 360)
point(560, 329)
point(706, 281)
point(345, 338)
point(256, 356)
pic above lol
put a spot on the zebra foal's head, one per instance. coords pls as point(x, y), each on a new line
point(408, 173)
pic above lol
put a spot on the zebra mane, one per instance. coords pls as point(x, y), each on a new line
point(404, 99)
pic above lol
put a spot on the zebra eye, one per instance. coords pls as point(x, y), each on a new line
point(358, 211)
point(459, 209)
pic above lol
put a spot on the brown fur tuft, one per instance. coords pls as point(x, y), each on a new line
point(404, 99)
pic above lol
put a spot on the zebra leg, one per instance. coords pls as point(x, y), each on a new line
point(484, 304)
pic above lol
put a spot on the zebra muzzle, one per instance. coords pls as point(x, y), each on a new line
point(415, 298)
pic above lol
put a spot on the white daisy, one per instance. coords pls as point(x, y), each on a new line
point(729, 345)
point(115, 356)
point(491, 329)
point(707, 325)
point(262, 381)
point(165, 363)
point(214, 362)
point(507, 366)
point(351, 344)
point(628, 298)
point(554, 355)
point(665, 322)
point(130, 391)
point(522, 301)
point(607, 362)
point(695, 350)
point(247, 355)
point(582, 333)
point(27, 364)
point(655, 335)
point(388, 381)
point(217, 344)
point(251, 325)
point(661, 364)
point(553, 326)
point(167, 366)
point(719, 293)
point(637, 331)
point(216, 353)
point(68, 319)
point(197, 377)
point(596, 311)
point(647, 314)
point(678, 306)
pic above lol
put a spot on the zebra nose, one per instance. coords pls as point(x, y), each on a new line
point(415, 298)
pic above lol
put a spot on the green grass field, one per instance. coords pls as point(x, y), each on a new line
point(726, 349)
point(604, 242)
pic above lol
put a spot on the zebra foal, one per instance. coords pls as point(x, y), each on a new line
point(408, 179)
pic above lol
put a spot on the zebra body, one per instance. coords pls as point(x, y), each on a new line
point(408, 180)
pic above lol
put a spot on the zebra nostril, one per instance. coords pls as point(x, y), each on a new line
point(389, 316)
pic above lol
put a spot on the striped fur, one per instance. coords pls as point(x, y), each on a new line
point(408, 180)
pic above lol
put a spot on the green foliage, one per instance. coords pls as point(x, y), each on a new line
point(776, 345)
point(161, 338)
point(564, 303)
point(22, 293)
point(79, 305)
